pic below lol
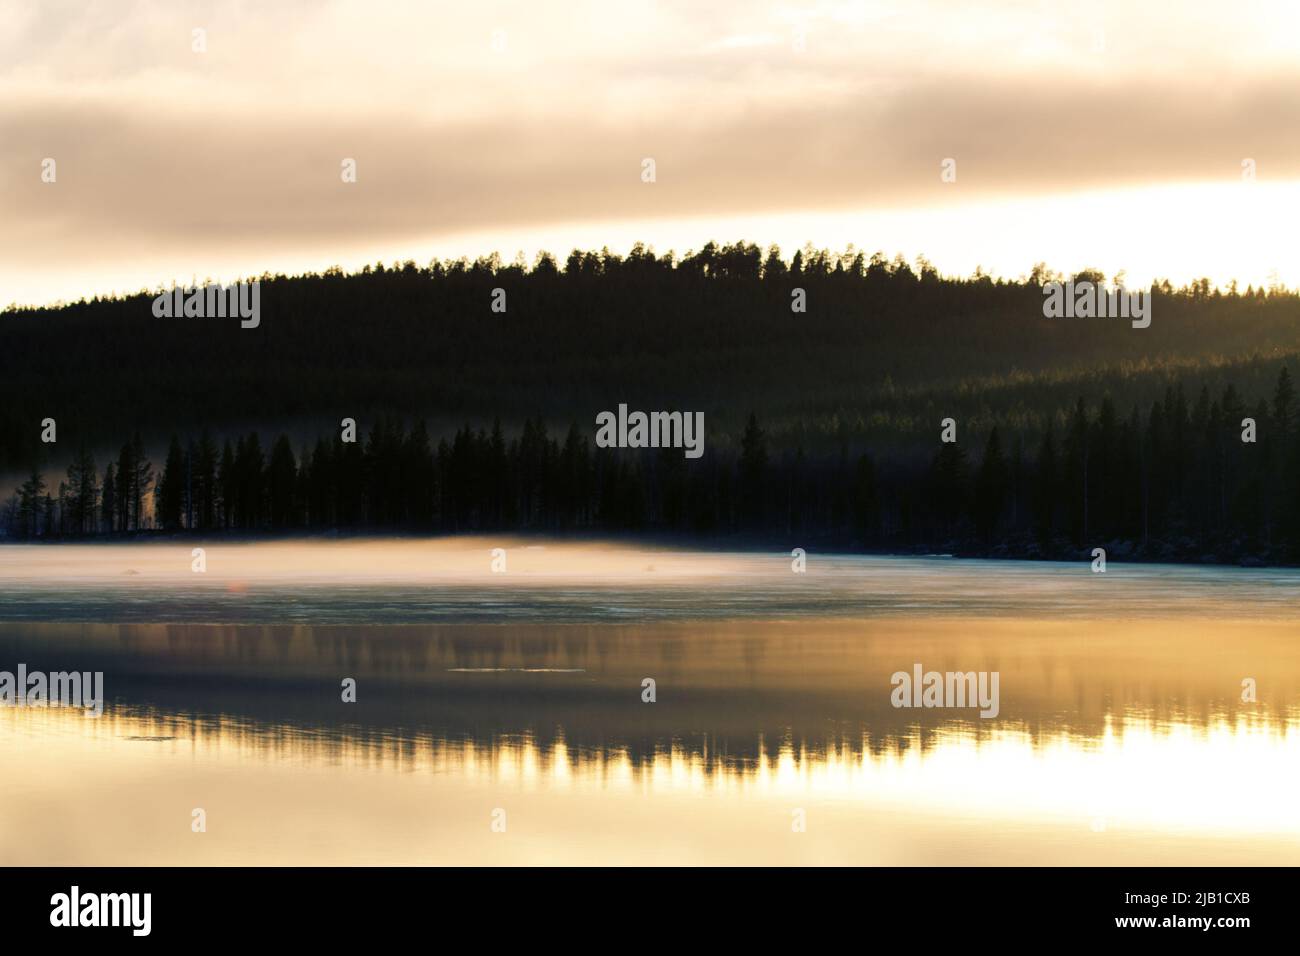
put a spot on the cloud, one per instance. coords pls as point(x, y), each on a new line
point(239, 148)
point(156, 178)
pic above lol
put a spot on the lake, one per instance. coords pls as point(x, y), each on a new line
point(1147, 715)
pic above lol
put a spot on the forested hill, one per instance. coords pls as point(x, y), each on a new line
point(882, 351)
point(821, 427)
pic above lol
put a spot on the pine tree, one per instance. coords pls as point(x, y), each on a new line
point(30, 495)
point(1283, 399)
point(990, 488)
point(142, 484)
point(282, 479)
point(753, 473)
point(108, 510)
point(127, 490)
point(169, 501)
point(205, 482)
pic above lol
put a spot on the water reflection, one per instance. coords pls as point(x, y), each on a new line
point(1224, 789)
point(1104, 743)
point(1122, 735)
point(721, 686)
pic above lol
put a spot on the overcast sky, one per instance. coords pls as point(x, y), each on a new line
point(1103, 134)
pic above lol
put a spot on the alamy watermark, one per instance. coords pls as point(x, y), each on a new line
point(950, 689)
point(651, 430)
point(1088, 300)
point(75, 908)
point(242, 300)
point(62, 688)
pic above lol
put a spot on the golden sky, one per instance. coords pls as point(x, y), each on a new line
point(1085, 134)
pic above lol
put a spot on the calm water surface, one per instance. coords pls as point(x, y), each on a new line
point(1121, 737)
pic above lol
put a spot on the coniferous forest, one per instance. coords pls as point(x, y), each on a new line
point(822, 427)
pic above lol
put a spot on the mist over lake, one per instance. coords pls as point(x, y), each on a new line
point(1121, 736)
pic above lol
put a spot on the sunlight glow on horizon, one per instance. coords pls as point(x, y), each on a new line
point(1223, 231)
point(1143, 775)
point(1108, 136)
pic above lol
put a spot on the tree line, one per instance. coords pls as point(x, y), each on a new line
point(714, 329)
point(1194, 476)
